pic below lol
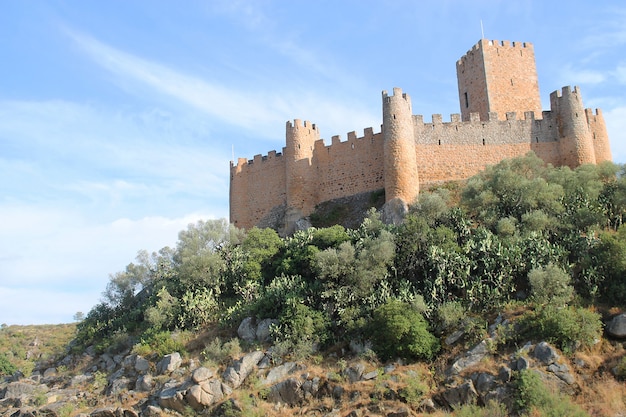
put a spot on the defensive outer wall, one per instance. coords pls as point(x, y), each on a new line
point(278, 189)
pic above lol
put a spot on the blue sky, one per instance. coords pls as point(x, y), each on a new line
point(118, 119)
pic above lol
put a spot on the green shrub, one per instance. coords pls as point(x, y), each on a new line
point(301, 329)
point(566, 327)
point(415, 389)
point(550, 285)
point(220, 353)
point(491, 409)
point(537, 399)
point(397, 330)
point(158, 343)
point(6, 367)
point(620, 369)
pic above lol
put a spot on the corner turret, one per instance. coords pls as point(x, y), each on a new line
point(575, 138)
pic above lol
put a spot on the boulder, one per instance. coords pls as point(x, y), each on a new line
point(141, 365)
point(354, 372)
point(173, 396)
point(204, 394)
point(471, 358)
point(247, 329)
point(235, 374)
point(201, 374)
point(263, 333)
point(617, 326)
point(144, 383)
point(118, 385)
point(461, 395)
point(401, 412)
point(562, 371)
point(545, 353)
point(279, 372)
point(169, 363)
point(22, 390)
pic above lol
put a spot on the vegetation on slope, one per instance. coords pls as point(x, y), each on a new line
point(549, 239)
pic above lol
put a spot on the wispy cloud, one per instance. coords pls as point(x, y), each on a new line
point(260, 111)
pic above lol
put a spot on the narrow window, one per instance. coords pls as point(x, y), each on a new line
point(511, 81)
point(440, 141)
point(466, 100)
point(394, 117)
point(537, 139)
point(483, 141)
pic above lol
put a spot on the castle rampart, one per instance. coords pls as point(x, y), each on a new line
point(278, 189)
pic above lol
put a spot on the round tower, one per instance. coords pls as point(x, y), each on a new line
point(401, 178)
point(298, 152)
point(575, 138)
point(601, 144)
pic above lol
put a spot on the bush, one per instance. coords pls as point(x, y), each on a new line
point(566, 327)
point(397, 330)
point(301, 329)
point(6, 367)
point(550, 285)
point(158, 342)
point(536, 399)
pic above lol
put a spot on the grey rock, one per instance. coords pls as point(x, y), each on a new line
point(354, 372)
point(104, 412)
point(129, 361)
point(461, 395)
point(388, 369)
point(263, 333)
point(288, 392)
point(239, 370)
point(80, 379)
point(370, 375)
point(483, 382)
point(545, 353)
point(394, 211)
point(169, 363)
point(204, 394)
point(617, 326)
point(144, 383)
point(401, 412)
point(247, 329)
point(22, 390)
point(278, 373)
point(152, 411)
point(201, 374)
point(505, 373)
point(521, 363)
point(338, 392)
point(562, 371)
point(173, 396)
point(471, 358)
point(454, 337)
point(427, 406)
point(49, 373)
point(141, 365)
point(118, 385)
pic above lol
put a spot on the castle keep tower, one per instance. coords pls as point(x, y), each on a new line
point(401, 177)
point(498, 77)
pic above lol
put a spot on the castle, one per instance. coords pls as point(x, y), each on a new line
point(500, 118)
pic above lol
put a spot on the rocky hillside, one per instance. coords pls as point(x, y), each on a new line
point(224, 380)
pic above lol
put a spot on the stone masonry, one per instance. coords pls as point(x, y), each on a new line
point(500, 118)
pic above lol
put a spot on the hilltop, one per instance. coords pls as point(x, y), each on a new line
point(502, 295)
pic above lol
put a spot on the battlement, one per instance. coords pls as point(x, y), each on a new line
point(397, 92)
point(455, 118)
point(483, 43)
point(298, 124)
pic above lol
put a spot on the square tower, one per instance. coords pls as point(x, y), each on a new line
point(498, 77)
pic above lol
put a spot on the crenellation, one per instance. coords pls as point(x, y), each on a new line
point(499, 100)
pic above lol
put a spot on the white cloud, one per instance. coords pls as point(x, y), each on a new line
point(57, 255)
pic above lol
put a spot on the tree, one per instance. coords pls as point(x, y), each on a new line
point(79, 316)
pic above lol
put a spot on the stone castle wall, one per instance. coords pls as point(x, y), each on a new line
point(280, 188)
